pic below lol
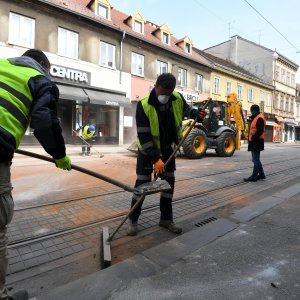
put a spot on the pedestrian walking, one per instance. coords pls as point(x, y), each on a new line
point(158, 120)
point(256, 142)
point(88, 132)
point(27, 95)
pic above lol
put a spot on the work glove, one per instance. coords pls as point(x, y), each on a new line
point(63, 163)
point(159, 167)
point(201, 115)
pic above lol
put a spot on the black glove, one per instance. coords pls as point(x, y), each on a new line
point(201, 115)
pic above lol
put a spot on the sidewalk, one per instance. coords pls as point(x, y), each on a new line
point(252, 254)
point(75, 150)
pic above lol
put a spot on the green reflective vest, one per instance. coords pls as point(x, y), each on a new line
point(150, 111)
point(85, 134)
point(15, 98)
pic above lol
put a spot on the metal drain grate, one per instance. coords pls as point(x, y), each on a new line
point(206, 221)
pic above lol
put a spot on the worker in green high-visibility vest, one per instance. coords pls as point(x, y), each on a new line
point(27, 96)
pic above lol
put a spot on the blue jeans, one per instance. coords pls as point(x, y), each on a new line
point(257, 166)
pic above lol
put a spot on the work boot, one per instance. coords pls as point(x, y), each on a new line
point(132, 229)
point(261, 176)
point(170, 225)
point(82, 154)
point(20, 295)
point(251, 178)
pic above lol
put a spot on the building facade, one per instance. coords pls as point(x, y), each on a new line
point(85, 63)
point(228, 77)
point(273, 68)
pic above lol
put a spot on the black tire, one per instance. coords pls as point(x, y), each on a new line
point(226, 144)
point(195, 145)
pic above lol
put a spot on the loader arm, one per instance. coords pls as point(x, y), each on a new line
point(234, 110)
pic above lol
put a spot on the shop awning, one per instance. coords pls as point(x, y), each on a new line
point(105, 98)
point(72, 93)
point(270, 123)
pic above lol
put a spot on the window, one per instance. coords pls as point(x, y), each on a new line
point(165, 38)
point(228, 87)
point(21, 30)
point(107, 55)
point(216, 85)
point(262, 96)
point(239, 91)
point(199, 83)
point(293, 80)
point(138, 27)
point(137, 64)
point(250, 95)
point(288, 78)
point(277, 72)
point(287, 104)
point(292, 105)
point(67, 43)
point(281, 102)
point(103, 11)
point(181, 77)
point(282, 75)
point(187, 48)
point(162, 67)
point(269, 100)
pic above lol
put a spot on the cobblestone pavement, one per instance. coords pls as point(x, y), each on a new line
point(204, 176)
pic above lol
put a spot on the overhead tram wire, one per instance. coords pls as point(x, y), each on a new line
point(298, 51)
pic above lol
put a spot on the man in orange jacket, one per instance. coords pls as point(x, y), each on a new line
point(256, 142)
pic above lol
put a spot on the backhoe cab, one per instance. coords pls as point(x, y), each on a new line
point(222, 129)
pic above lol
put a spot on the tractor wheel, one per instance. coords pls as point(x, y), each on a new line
point(195, 144)
point(226, 144)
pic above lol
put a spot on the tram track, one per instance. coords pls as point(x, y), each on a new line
point(120, 191)
point(117, 217)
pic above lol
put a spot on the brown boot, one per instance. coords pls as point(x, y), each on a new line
point(170, 225)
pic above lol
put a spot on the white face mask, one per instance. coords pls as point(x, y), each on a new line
point(163, 99)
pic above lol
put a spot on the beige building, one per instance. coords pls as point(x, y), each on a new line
point(273, 68)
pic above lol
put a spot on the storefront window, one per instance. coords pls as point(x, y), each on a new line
point(105, 119)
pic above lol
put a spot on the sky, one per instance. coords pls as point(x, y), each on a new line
point(211, 22)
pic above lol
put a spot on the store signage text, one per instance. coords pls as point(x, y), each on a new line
point(287, 120)
point(112, 103)
point(70, 74)
point(189, 97)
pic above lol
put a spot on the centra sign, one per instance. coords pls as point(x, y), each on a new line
point(70, 74)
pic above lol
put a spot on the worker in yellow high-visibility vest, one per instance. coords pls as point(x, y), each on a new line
point(27, 96)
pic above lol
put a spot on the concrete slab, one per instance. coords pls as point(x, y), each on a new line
point(101, 284)
point(172, 250)
point(252, 211)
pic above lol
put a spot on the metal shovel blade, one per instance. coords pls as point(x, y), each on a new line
point(152, 187)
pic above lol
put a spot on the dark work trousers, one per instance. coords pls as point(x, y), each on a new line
point(144, 170)
point(86, 149)
point(257, 166)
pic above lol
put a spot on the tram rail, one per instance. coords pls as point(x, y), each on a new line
point(117, 217)
point(120, 191)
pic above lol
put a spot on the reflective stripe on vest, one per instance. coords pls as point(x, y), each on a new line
point(151, 113)
point(85, 134)
point(15, 98)
point(253, 128)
